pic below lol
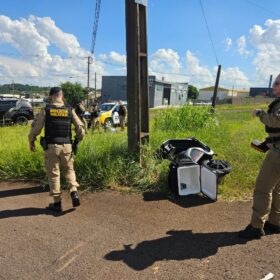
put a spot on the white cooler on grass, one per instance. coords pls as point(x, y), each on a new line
point(192, 169)
point(193, 179)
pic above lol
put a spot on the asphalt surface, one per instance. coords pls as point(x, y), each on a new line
point(117, 236)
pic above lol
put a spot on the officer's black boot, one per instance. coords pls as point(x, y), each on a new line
point(75, 199)
point(56, 207)
point(271, 229)
point(251, 233)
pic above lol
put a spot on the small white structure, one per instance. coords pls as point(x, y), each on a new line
point(10, 96)
point(206, 94)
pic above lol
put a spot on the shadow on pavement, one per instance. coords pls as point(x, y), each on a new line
point(178, 245)
point(24, 212)
point(183, 201)
point(24, 191)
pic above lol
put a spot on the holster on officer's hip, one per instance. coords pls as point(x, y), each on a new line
point(43, 143)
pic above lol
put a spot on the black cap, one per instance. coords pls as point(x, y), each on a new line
point(54, 90)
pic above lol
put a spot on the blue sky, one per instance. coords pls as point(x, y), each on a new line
point(178, 40)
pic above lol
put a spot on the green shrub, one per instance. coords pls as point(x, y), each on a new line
point(183, 118)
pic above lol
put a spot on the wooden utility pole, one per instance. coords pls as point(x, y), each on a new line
point(13, 83)
point(95, 94)
point(269, 86)
point(137, 74)
point(89, 61)
point(216, 87)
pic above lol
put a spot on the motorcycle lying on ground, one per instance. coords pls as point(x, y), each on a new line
point(192, 169)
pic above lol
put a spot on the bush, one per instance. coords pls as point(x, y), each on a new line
point(184, 118)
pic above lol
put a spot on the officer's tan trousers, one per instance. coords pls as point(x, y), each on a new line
point(122, 122)
point(95, 124)
point(266, 205)
point(60, 157)
point(84, 121)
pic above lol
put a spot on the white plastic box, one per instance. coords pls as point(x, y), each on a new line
point(193, 179)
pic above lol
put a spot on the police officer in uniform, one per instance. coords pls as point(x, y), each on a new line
point(80, 111)
point(266, 205)
point(122, 115)
point(94, 117)
point(57, 119)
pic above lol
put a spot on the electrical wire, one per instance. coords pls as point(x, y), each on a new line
point(262, 8)
point(95, 25)
point(209, 32)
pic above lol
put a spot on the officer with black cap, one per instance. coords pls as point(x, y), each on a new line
point(57, 119)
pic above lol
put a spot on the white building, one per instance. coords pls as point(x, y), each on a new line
point(206, 94)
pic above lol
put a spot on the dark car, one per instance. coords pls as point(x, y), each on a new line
point(6, 104)
point(21, 113)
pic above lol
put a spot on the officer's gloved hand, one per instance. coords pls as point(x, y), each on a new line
point(75, 146)
point(257, 112)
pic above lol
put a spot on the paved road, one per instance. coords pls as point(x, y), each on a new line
point(116, 236)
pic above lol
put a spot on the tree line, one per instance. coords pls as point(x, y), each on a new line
point(19, 88)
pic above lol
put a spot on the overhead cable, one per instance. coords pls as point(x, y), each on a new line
point(209, 32)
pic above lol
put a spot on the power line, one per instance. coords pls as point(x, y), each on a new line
point(262, 8)
point(95, 25)
point(203, 75)
point(209, 32)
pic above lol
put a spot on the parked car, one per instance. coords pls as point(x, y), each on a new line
point(6, 104)
point(21, 113)
point(202, 103)
point(109, 115)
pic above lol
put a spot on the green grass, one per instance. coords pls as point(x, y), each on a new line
point(241, 107)
point(186, 117)
point(103, 160)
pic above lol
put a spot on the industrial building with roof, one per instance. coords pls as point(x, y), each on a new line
point(206, 94)
point(261, 91)
point(160, 92)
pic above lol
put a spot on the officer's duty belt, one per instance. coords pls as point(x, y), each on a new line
point(272, 139)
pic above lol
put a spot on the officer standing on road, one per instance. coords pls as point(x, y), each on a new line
point(266, 205)
point(57, 119)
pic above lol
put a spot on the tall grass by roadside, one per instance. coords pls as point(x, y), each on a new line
point(103, 159)
point(186, 117)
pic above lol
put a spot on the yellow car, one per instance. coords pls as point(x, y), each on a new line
point(109, 115)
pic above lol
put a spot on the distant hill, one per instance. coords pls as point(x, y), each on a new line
point(27, 89)
point(20, 88)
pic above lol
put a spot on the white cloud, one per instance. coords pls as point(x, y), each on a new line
point(233, 76)
point(200, 75)
point(32, 38)
point(15, 67)
point(266, 42)
point(66, 42)
point(165, 60)
point(228, 43)
point(195, 73)
point(113, 58)
point(203, 76)
point(242, 46)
